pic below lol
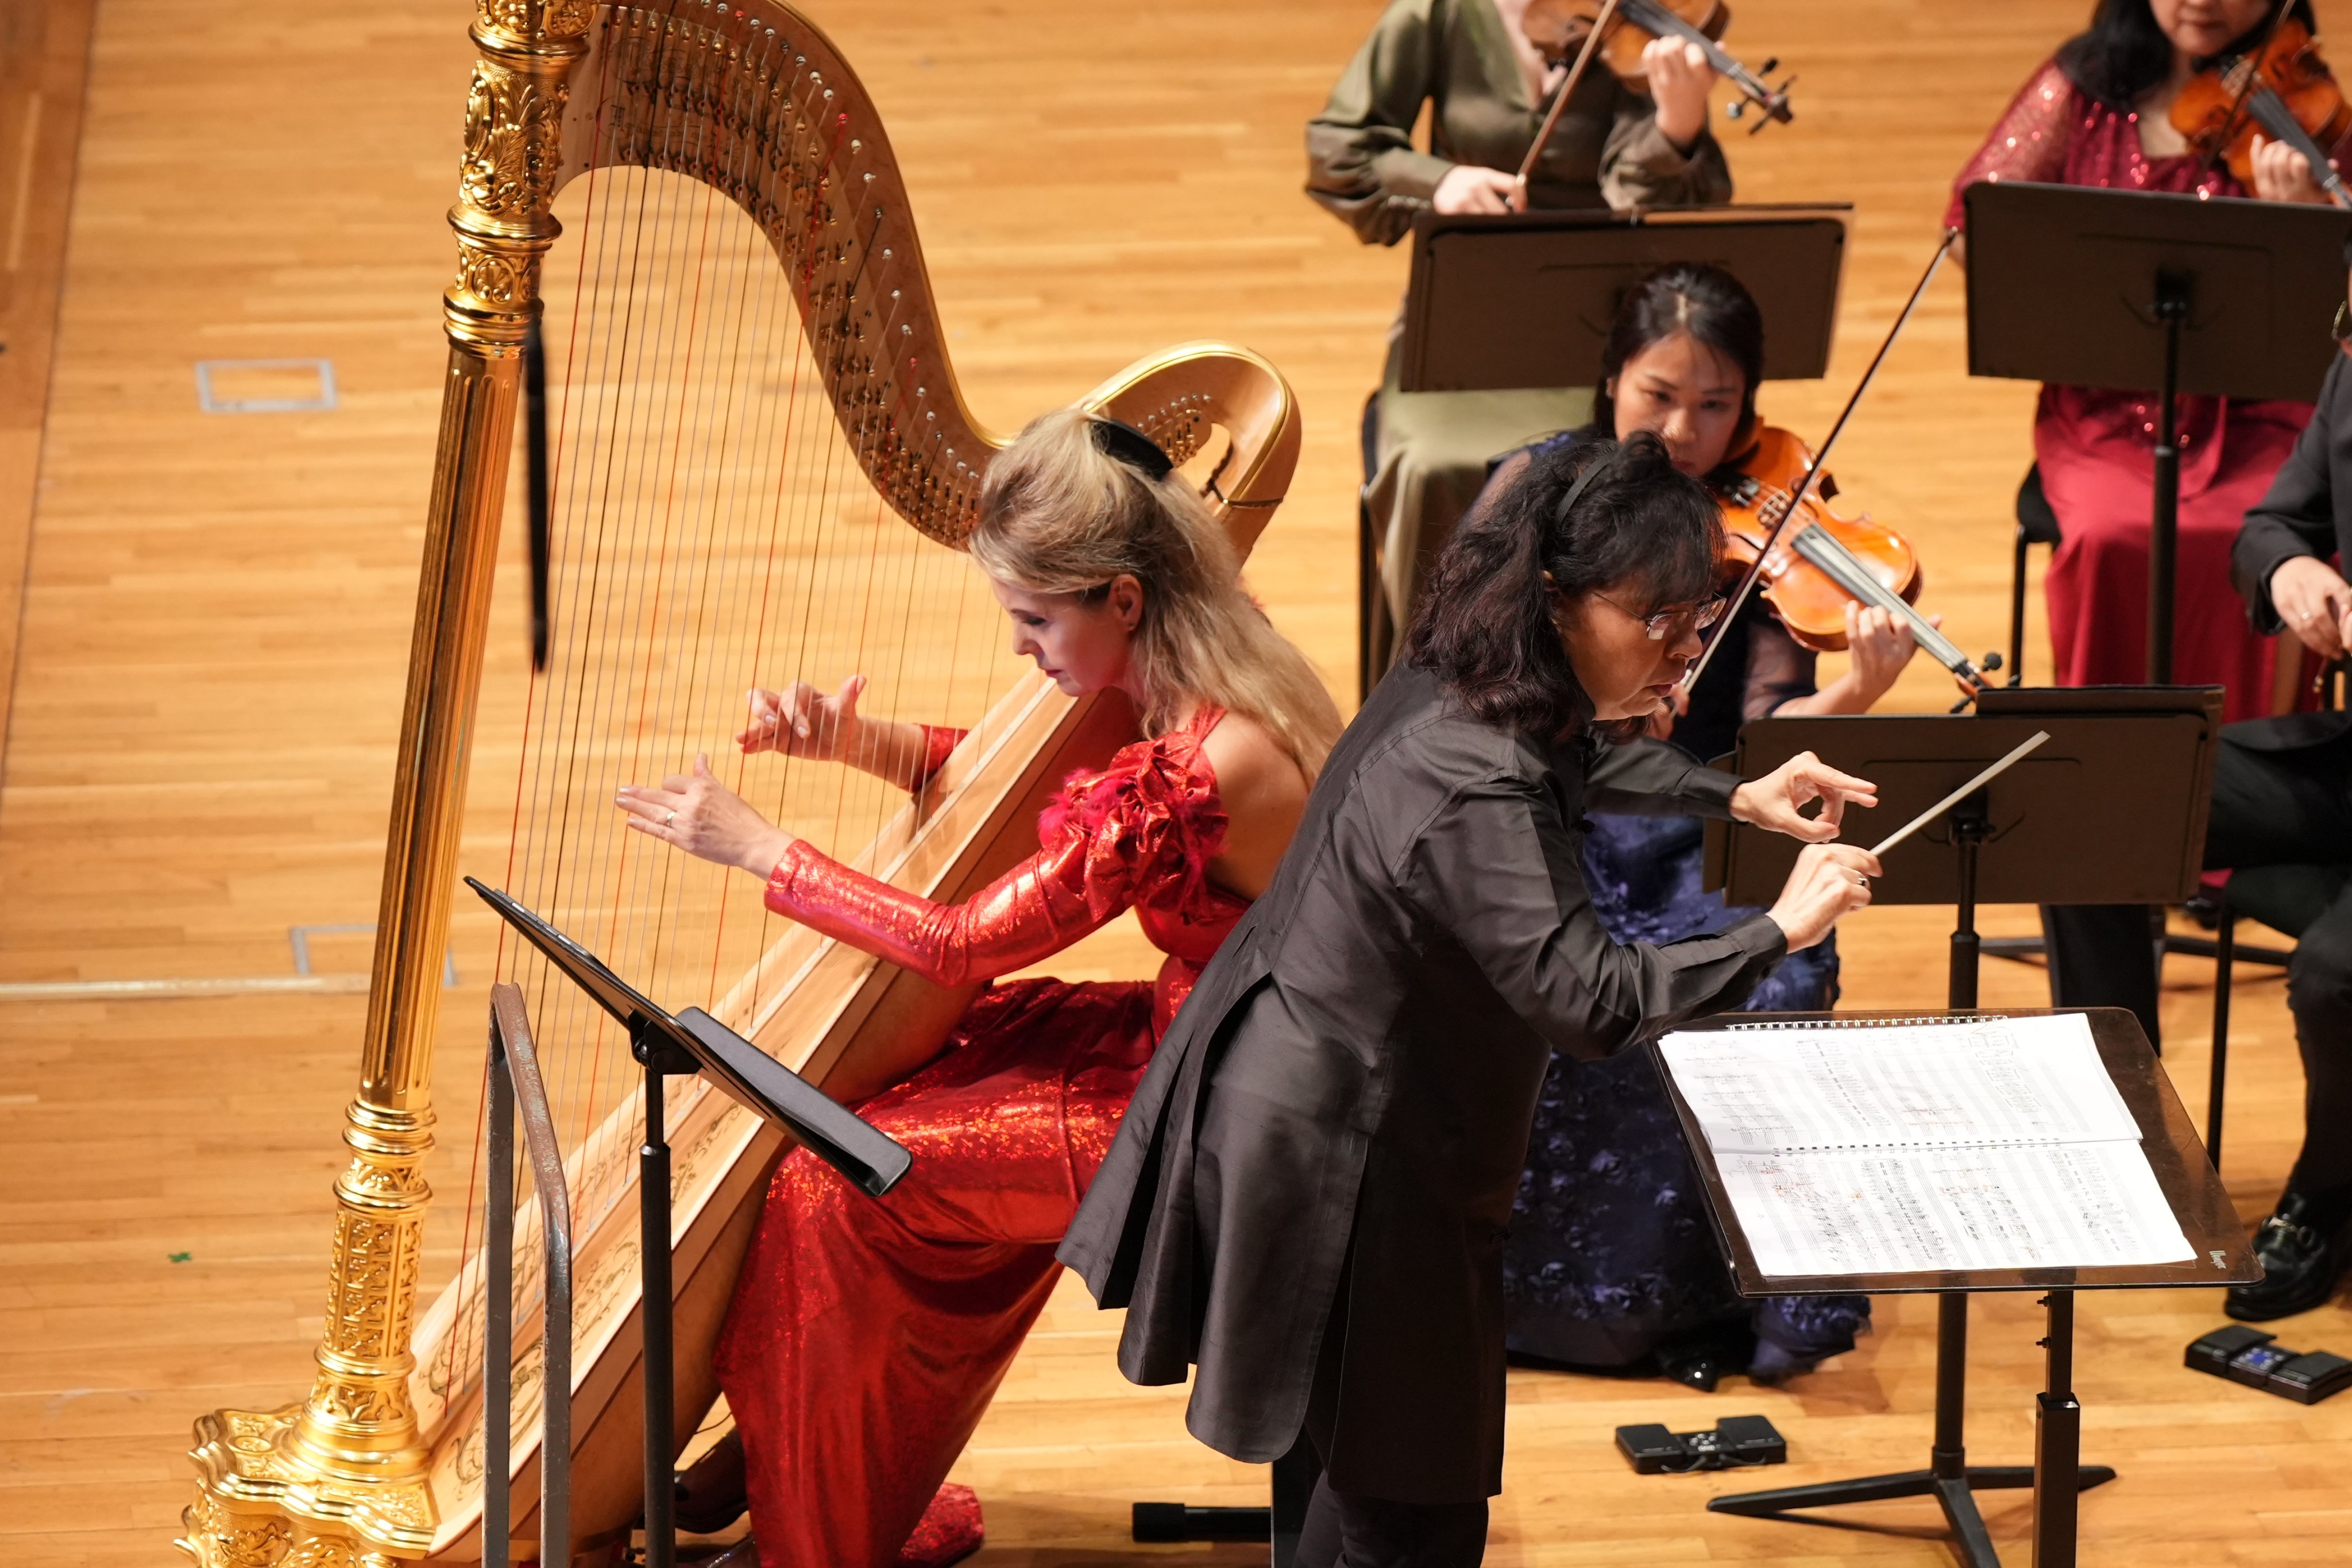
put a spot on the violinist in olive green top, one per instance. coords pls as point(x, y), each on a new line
point(1489, 69)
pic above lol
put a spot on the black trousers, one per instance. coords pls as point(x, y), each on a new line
point(1347, 1530)
point(1344, 1532)
point(2270, 809)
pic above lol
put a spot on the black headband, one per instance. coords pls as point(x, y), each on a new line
point(1568, 503)
point(1117, 438)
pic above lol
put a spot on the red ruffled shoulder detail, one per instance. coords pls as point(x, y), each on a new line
point(1152, 821)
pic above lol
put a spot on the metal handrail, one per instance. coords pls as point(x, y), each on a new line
point(515, 1079)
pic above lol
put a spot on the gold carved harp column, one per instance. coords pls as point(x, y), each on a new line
point(340, 1477)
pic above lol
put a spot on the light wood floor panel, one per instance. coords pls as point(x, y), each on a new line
point(44, 55)
point(217, 619)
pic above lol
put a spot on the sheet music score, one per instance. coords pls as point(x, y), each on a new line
point(1919, 1146)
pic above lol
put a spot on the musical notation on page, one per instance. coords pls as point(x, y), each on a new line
point(1924, 1146)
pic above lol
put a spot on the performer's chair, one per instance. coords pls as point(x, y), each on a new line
point(2036, 524)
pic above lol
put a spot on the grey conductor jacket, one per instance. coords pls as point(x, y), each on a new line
point(1339, 1117)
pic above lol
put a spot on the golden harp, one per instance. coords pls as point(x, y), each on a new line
point(751, 398)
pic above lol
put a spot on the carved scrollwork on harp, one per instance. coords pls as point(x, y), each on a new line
point(514, 142)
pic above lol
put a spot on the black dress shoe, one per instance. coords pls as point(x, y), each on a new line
point(1703, 1357)
point(1695, 1369)
point(2301, 1251)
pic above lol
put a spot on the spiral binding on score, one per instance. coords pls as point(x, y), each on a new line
point(1871, 1023)
point(1916, 1146)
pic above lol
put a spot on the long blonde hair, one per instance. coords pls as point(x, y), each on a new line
point(1059, 515)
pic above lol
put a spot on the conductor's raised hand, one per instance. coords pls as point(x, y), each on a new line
point(1778, 800)
point(702, 816)
point(802, 722)
point(1830, 881)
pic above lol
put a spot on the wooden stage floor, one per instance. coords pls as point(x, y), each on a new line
point(216, 620)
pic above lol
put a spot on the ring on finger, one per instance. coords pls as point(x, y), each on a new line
point(670, 821)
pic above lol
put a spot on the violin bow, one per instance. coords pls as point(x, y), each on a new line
point(2254, 64)
point(2243, 103)
point(1560, 99)
point(1797, 497)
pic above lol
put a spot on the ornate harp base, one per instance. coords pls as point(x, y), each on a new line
point(336, 1481)
point(257, 1509)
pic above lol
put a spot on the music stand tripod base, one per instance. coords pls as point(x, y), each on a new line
point(1949, 1478)
point(1291, 1483)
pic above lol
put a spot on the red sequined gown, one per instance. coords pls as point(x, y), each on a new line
point(2096, 448)
point(867, 1337)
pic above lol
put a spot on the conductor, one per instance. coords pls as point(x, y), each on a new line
point(1308, 1195)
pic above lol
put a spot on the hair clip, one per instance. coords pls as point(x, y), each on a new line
point(1117, 438)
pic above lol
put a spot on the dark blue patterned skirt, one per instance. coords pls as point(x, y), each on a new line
point(1611, 1259)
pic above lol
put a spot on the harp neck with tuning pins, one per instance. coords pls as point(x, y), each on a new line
point(761, 467)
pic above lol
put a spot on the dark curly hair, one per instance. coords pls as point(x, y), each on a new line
point(1484, 625)
point(2122, 53)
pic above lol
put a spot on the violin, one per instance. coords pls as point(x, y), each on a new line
point(1628, 27)
point(2283, 91)
point(1818, 562)
point(1811, 562)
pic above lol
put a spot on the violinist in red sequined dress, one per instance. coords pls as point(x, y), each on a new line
point(2098, 114)
point(866, 1338)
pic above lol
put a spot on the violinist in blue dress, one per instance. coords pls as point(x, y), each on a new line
point(1610, 1263)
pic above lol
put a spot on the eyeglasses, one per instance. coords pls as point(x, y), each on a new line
point(2342, 331)
point(1675, 621)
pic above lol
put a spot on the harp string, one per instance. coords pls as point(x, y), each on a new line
point(617, 516)
point(750, 604)
point(735, 612)
point(607, 599)
point(702, 545)
point(681, 651)
point(647, 698)
point(788, 520)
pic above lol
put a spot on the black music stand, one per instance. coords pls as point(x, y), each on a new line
point(1525, 299)
point(2110, 809)
point(2220, 1254)
point(2140, 289)
point(682, 1046)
